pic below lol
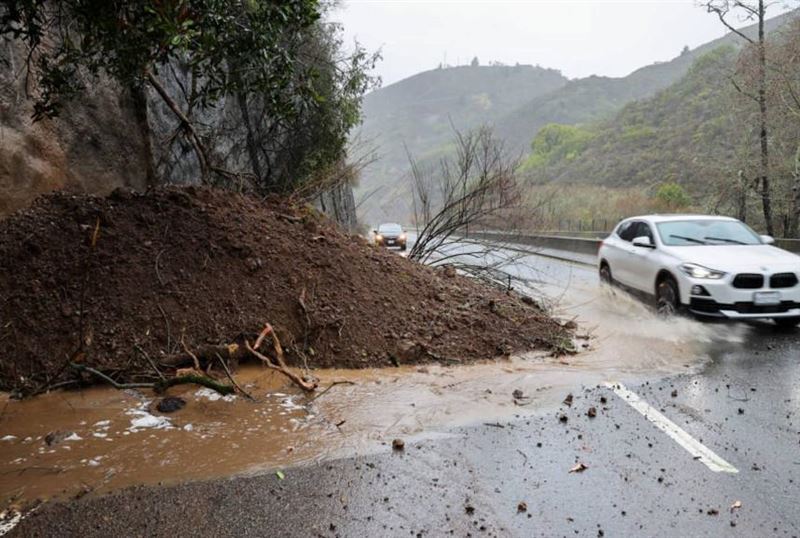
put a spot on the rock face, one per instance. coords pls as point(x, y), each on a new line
point(114, 137)
point(96, 145)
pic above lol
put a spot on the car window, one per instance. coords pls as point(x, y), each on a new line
point(706, 232)
point(627, 230)
point(390, 228)
point(643, 230)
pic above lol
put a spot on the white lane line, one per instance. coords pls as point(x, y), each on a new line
point(699, 451)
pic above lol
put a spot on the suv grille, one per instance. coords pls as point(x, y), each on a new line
point(783, 280)
point(750, 308)
point(749, 281)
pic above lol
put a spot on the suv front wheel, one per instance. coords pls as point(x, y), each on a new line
point(667, 297)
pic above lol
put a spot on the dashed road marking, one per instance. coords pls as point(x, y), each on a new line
point(699, 451)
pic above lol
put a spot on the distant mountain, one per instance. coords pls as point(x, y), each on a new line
point(417, 115)
point(593, 98)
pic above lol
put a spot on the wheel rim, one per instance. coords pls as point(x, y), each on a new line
point(667, 298)
point(605, 274)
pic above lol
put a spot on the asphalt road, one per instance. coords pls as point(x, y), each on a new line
point(651, 475)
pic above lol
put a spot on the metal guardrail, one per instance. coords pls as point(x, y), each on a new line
point(584, 244)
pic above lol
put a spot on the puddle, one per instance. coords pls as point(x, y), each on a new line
point(102, 439)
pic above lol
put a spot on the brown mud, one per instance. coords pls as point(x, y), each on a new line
point(108, 277)
point(106, 439)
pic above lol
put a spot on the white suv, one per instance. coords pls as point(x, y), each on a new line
point(710, 266)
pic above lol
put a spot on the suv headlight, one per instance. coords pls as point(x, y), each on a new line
point(698, 271)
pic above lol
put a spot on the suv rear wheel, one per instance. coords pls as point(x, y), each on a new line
point(667, 297)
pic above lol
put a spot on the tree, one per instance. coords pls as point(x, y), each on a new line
point(784, 93)
point(278, 59)
point(672, 196)
point(474, 62)
point(756, 10)
point(476, 187)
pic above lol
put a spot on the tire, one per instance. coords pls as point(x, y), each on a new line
point(668, 301)
point(605, 274)
point(787, 323)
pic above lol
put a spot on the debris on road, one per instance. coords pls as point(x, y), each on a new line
point(398, 444)
point(592, 412)
point(209, 267)
point(56, 437)
point(522, 507)
point(578, 468)
point(735, 506)
point(170, 404)
point(568, 400)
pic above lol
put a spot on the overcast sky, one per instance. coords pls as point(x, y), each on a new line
point(579, 37)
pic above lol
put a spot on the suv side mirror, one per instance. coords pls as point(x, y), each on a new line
point(767, 239)
point(643, 241)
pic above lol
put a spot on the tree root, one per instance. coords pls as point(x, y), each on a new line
point(281, 366)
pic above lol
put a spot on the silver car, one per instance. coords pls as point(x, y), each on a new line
point(711, 266)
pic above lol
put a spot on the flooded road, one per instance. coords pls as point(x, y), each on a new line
point(71, 443)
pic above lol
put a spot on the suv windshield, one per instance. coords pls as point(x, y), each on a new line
point(390, 229)
point(706, 232)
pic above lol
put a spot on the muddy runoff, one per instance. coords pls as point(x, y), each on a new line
point(67, 444)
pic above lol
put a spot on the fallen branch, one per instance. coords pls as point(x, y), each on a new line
point(192, 355)
point(149, 360)
point(289, 218)
point(233, 381)
point(160, 386)
point(202, 380)
point(331, 386)
point(158, 273)
point(204, 354)
point(113, 383)
point(281, 366)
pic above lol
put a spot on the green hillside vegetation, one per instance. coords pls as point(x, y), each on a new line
point(418, 115)
point(680, 135)
point(595, 98)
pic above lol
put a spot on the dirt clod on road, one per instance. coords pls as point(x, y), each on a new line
point(128, 278)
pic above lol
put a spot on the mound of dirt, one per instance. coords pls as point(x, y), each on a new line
point(208, 267)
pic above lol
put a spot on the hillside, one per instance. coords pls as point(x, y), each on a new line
point(681, 134)
point(417, 113)
point(594, 98)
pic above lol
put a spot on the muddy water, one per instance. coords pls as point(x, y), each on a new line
point(104, 439)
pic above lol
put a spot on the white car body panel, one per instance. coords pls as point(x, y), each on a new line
point(638, 268)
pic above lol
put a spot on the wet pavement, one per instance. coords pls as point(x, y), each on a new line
point(479, 461)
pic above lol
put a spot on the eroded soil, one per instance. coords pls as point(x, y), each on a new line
point(112, 277)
